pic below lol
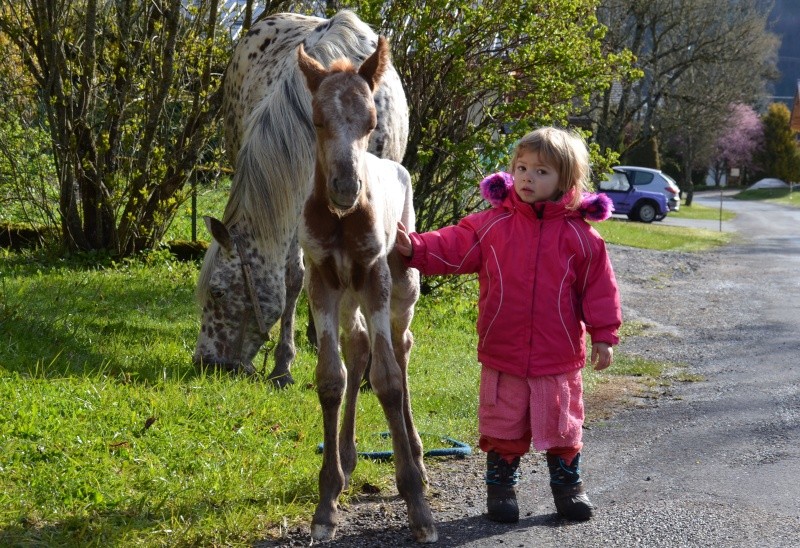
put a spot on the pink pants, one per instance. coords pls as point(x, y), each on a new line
point(547, 410)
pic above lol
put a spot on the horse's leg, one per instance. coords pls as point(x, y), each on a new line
point(405, 292)
point(387, 381)
point(331, 380)
point(355, 346)
point(281, 375)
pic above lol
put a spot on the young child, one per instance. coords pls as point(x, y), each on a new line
point(545, 279)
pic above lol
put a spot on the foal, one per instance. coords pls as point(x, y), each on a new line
point(356, 282)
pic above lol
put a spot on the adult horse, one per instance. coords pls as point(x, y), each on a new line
point(357, 284)
point(252, 273)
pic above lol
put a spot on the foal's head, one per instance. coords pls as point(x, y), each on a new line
point(343, 111)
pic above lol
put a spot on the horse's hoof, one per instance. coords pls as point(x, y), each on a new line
point(320, 532)
point(426, 534)
point(281, 380)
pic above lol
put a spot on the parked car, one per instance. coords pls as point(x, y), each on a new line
point(653, 180)
point(638, 205)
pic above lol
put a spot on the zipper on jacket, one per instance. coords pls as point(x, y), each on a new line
point(535, 282)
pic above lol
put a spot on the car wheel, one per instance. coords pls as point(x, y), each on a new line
point(646, 212)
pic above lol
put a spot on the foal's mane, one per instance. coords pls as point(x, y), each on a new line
point(276, 160)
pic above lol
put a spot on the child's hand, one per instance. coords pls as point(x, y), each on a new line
point(602, 355)
point(403, 242)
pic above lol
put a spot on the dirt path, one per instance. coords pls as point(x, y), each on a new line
point(713, 462)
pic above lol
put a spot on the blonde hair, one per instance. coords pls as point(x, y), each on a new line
point(567, 152)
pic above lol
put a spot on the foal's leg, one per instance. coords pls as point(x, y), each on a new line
point(281, 376)
point(330, 378)
point(355, 347)
point(405, 292)
point(388, 384)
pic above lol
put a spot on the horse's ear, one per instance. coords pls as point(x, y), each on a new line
point(313, 71)
point(376, 64)
point(218, 231)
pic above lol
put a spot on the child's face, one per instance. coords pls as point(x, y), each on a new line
point(534, 180)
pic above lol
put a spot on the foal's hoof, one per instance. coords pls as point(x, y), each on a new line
point(426, 534)
point(321, 532)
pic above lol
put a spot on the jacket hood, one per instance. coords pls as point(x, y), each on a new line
point(496, 187)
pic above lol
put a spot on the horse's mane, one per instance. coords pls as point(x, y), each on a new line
point(276, 160)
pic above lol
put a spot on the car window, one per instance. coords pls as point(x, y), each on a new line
point(618, 181)
point(670, 179)
point(642, 177)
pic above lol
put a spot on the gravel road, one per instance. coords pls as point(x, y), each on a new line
point(712, 459)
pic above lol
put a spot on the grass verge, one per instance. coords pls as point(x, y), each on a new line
point(701, 212)
point(775, 195)
point(660, 237)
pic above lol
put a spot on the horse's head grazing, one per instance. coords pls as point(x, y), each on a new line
point(343, 111)
point(240, 297)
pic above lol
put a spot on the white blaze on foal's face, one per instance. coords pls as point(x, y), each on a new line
point(345, 117)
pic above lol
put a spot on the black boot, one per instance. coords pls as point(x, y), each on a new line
point(568, 494)
point(501, 498)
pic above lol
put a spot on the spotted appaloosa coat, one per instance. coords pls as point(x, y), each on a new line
point(545, 280)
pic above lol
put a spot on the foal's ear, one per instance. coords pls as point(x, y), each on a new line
point(218, 231)
point(376, 64)
point(313, 71)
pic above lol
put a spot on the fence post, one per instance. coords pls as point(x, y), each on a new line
point(194, 208)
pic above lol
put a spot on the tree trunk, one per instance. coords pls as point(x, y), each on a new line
point(688, 184)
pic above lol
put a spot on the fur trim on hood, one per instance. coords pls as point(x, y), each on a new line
point(594, 206)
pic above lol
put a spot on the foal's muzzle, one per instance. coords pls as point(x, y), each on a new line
point(343, 193)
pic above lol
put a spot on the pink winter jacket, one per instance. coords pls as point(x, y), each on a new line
point(545, 279)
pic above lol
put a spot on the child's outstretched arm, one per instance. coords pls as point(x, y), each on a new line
point(403, 242)
point(449, 250)
point(602, 355)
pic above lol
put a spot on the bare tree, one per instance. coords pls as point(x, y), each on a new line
point(696, 58)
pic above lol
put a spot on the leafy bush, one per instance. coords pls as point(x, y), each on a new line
point(28, 184)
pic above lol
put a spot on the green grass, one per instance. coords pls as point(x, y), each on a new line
point(660, 237)
point(91, 355)
point(774, 195)
point(697, 211)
